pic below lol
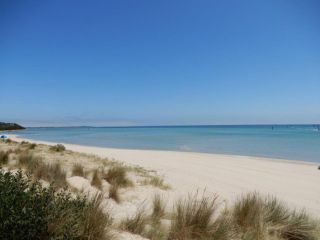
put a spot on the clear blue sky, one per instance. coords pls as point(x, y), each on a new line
point(159, 62)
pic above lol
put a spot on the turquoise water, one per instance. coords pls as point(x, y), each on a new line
point(297, 142)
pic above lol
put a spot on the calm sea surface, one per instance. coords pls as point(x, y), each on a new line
point(297, 142)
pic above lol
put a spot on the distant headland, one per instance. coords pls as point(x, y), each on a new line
point(10, 126)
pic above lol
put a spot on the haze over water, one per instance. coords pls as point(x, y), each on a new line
point(293, 142)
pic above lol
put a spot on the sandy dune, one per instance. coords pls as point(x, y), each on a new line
point(297, 183)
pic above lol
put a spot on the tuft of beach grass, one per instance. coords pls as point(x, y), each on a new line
point(158, 208)
point(156, 181)
point(77, 170)
point(96, 179)
point(114, 193)
point(192, 217)
point(58, 148)
point(118, 176)
point(135, 224)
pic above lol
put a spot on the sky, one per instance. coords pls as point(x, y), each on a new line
point(182, 62)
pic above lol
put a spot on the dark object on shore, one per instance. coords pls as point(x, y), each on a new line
point(319, 167)
point(10, 126)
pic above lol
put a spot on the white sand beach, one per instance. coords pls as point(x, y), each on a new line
point(295, 182)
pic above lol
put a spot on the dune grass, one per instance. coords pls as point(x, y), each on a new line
point(77, 170)
point(251, 217)
point(135, 224)
point(96, 179)
point(156, 181)
point(260, 217)
point(4, 157)
point(96, 221)
point(158, 208)
point(114, 193)
point(58, 148)
point(32, 146)
point(155, 232)
point(28, 145)
point(51, 173)
point(29, 160)
point(192, 218)
point(117, 175)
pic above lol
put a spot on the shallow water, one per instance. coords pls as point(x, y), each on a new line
point(296, 142)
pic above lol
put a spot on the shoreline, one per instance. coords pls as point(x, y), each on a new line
point(227, 175)
point(258, 158)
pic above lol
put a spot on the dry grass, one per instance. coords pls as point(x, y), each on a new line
point(51, 173)
point(117, 176)
point(96, 180)
point(158, 208)
point(4, 157)
point(29, 160)
point(32, 146)
point(58, 148)
point(156, 181)
point(155, 232)
point(260, 217)
point(135, 224)
point(96, 223)
point(114, 193)
point(192, 218)
point(77, 170)
point(28, 145)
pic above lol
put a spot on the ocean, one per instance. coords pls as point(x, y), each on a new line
point(293, 142)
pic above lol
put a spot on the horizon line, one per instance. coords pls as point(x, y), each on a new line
point(182, 125)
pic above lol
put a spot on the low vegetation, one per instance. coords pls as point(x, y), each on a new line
point(96, 180)
point(51, 173)
point(34, 165)
point(251, 217)
point(118, 176)
point(156, 181)
point(158, 208)
point(4, 157)
point(259, 217)
point(192, 218)
point(77, 170)
point(114, 193)
point(29, 211)
point(58, 148)
point(29, 161)
point(135, 224)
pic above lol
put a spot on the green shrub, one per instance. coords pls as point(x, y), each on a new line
point(58, 148)
point(23, 206)
point(29, 211)
point(117, 176)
